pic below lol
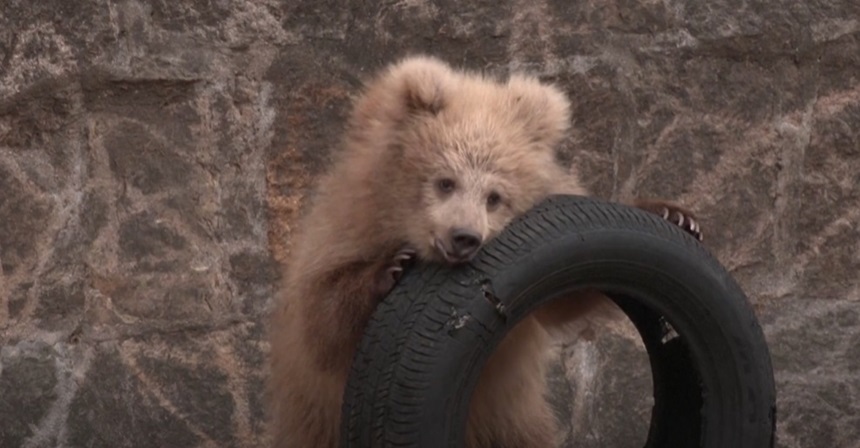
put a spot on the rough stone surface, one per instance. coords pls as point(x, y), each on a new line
point(154, 155)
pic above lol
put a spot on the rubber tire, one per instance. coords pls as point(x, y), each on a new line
point(425, 345)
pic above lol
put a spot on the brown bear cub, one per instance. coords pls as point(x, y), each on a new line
point(436, 161)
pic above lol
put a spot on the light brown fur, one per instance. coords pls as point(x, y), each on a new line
point(417, 122)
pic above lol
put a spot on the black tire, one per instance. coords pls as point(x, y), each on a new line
point(424, 347)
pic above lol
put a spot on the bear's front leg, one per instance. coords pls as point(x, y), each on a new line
point(346, 296)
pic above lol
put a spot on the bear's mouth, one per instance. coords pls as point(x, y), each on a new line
point(448, 255)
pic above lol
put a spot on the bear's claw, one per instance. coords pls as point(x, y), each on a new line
point(675, 214)
point(394, 270)
point(401, 260)
point(683, 219)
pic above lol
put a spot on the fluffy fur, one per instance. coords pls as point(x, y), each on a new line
point(435, 163)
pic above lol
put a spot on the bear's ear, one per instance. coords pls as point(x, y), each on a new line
point(543, 110)
point(421, 83)
point(413, 86)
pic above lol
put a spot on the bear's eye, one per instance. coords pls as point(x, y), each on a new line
point(493, 199)
point(445, 185)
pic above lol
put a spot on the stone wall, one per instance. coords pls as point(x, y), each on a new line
point(153, 156)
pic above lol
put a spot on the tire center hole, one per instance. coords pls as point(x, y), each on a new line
point(601, 385)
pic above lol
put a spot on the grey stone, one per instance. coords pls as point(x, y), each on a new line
point(604, 401)
point(199, 393)
point(139, 158)
point(143, 235)
point(27, 383)
point(59, 302)
point(26, 218)
point(128, 415)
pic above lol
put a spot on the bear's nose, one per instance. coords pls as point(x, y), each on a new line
point(464, 242)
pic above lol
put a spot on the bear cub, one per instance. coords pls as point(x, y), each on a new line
point(435, 162)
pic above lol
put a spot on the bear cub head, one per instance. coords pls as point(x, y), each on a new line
point(454, 156)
